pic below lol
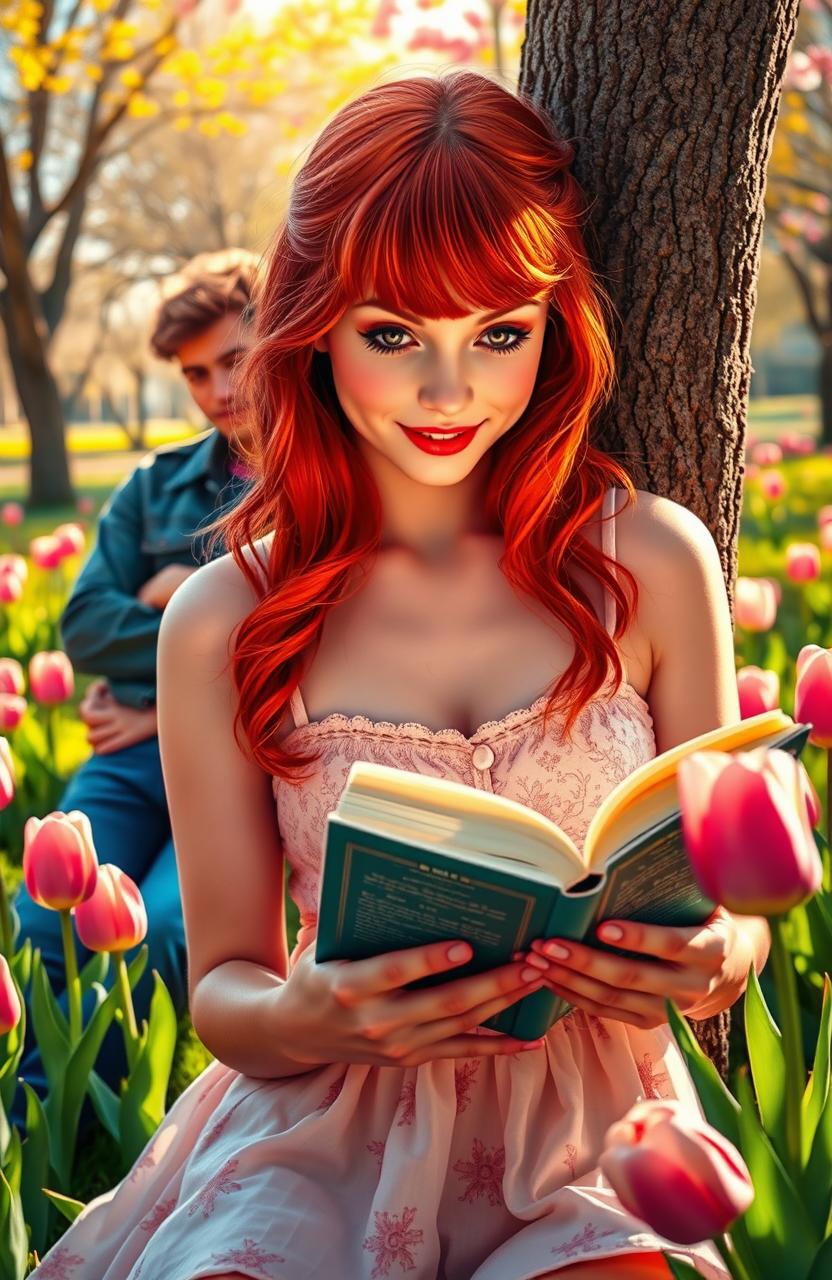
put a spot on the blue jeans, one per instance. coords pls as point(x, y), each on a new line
point(123, 795)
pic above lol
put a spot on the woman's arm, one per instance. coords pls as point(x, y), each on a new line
point(225, 831)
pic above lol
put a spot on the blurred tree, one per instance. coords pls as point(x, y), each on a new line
point(89, 79)
point(671, 110)
point(799, 200)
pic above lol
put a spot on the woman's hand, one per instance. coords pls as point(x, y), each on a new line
point(112, 726)
point(704, 969)
point(356, 1010)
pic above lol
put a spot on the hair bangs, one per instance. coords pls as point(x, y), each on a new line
point(450, 236)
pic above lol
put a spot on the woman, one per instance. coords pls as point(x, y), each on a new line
point(455, 606)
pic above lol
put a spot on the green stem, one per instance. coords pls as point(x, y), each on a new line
point(6, 943)
point(731, 1258)
point(785, 982)
point(829, 797)
point(52, 738)
point(73, 982)
point(128, 1026)
point(806, 615)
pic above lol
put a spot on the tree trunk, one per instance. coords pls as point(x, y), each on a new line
point(40, 402)
point(825, 389)
point(671, 106)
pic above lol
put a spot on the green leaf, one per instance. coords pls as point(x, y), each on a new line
point(768, 1065)
point(143, 1101)
point(719, 1104)
point(682, 1270)
point(13, 1244)
point(21, 964)
point(35, 1171)
point(822, 1265)
point(106, 1103)
point(50, 1025)
point(95, 970)
point(818, 911)
point(782, 1237)
point(69, 1208)
point(814, 1097)
point(817, 1176)
point(13, 1163)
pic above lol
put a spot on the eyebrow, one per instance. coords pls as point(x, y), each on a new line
point(405, 315)
point(200, 368)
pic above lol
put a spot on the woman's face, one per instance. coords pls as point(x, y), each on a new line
point(394, 371)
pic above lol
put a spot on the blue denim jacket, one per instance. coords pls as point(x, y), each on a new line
point(151, 520)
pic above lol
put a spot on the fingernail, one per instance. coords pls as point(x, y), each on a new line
point(533, 1044)
point(611, 932)
point(557, 951)
point(529, 975)
point(459, 951)
point(540, 962)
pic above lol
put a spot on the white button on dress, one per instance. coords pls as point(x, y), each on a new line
point(483, 756)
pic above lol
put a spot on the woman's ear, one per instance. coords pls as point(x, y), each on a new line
point(321, 344)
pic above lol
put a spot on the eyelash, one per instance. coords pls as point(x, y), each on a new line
point(521, 335)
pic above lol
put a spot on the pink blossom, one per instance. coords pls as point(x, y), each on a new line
point(12, 514)
point(674, 1171)
point(801, 74)
point(11, 588)
point(46, 551)
point(758, 689)
point(51, 678)
point(85, 505)
point(767, 454)
point(113, 917)
point(825, 537)
point(802, 561)
point(14, 564)
point(755, 604)
point(7, 778)
point(825, 516)
point(12, 710)
point(60, 865)
point(746, 829)
point(10, 1008)
point(813, 693)
point(773, 484)
point(71, 537)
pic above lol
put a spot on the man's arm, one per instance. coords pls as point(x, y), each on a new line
point(105, 629)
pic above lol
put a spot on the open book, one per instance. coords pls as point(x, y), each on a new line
point(411, 859)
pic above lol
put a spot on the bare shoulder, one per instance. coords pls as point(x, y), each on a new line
point(206, 609)
point(656, 534)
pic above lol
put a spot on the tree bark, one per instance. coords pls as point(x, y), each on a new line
point(671, 107)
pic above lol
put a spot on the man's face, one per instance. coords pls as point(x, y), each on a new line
point(207, 361)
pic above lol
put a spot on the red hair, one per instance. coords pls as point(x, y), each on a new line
point(423, 191)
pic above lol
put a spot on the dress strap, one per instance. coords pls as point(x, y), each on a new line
point(298, 709)
point(608, 548)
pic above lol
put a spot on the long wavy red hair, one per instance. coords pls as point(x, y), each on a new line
point(423, 191)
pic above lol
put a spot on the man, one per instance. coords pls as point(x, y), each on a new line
point(148, 543)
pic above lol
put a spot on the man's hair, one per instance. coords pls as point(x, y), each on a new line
point(207, 288)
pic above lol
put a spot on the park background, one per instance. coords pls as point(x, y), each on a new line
point(210, 120)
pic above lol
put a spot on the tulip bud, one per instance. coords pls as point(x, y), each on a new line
point(767, 454)
point(14, 564)
point(7, 778)
point(71, 538)
point(802, 561)
point(51, 678)
point(46, 551)
point(12, 679)
point(12, 710)
point(677, 1173)
point(11, 588)
point(60, 866)
point(12, 514)
point(746, 829)
point(813, 693)
point(10, 1009)
point(758, 689)
point(113, 918)
point(755, 604)
point(773, 484)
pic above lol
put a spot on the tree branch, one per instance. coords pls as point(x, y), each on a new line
point(805, 286)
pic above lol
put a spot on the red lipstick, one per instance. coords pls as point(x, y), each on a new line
point(456, 442)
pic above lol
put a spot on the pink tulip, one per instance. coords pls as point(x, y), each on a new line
point(759, 690)
point(755, 604)
point(60, 865)
point(12, 679)
point(802, 561)
point(813, 693)
point(12, 514)
point(9, 999)
point(15, 564)
point(751, 470)
point(85, 505)
point(810, 796)
point(674, 1171)
point(825, 536)
point(824, 516)
point(7, 778)
point(114, 917)
point(51, 678)
point(773, 484)
point(12, 710)
point(11, 588)
point(746, 829)
point(766, 454)
point(71, 538)
point(47, 551)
